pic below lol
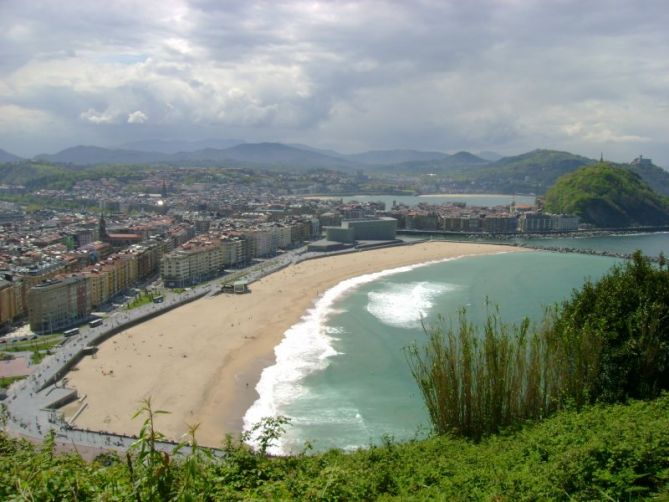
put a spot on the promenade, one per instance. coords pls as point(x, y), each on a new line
point(32, 403)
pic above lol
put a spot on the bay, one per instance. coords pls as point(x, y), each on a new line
point(361, 389)
point(472, 199)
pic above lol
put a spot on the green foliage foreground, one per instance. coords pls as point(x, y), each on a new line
point(603, 452)
point(609, 342)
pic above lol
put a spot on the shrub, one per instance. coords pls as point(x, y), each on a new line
point(608, 342)
point(628, 311)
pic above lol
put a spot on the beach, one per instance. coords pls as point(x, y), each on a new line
point(201, 362)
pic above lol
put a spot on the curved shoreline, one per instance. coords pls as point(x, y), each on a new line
point(202, 361)
point(295, 359)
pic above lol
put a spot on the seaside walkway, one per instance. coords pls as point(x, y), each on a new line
point(32, 403)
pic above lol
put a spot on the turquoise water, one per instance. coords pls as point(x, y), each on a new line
point(341, 374)
point(472, 199)
point(650, 244)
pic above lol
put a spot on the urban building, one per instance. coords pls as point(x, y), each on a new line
point(11, 304)
point(499, 224)
point(373, 229)
point(640, 161)
point(193, 263)
point(535, 223)
point(57, 304)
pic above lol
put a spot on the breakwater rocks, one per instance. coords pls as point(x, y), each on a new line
point(593, 252)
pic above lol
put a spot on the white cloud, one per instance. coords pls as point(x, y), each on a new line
point(94, 117)
point(486, 74)
point(137, 117)
point(19, 118)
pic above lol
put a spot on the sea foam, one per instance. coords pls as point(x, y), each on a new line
point(306, 347)
point(405, 305)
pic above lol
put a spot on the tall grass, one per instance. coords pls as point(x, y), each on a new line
point(475, 384)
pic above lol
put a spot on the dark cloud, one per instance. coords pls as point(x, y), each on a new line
point(506, 75)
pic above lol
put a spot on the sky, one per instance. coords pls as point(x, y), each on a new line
point(509, 76)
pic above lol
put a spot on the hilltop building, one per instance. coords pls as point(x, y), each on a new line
point(640, 161)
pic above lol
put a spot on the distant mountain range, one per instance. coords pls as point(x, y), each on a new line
point(531, 172)
point(5, 156)
point(389, 157)
point(251, 154)
point(176, 146)
point(95, 155)
point(491, 156)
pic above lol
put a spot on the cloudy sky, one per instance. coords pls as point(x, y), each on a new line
point(502, 75)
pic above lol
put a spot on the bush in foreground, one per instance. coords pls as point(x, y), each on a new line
point(604, 452)
point(608, 342)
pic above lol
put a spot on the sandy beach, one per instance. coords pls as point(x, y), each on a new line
point(201, 362)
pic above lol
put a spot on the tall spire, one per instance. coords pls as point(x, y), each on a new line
point(601, 157)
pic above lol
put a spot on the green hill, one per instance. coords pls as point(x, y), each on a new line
point(531, 172)
point(656, 177)
point(608, 196)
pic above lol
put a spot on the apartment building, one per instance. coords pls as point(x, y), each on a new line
point(260, 242)
point(535, 222)
point(111, 276)
point(192, 263)
point(57, 304)
point(11, 302)
point(500, 224)
point(543, 222)
point(233, 251)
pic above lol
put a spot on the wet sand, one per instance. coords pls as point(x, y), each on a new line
point(201, 362)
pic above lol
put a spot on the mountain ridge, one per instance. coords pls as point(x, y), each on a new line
point(6, 156)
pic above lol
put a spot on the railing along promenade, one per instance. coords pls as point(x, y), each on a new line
point(31, 404)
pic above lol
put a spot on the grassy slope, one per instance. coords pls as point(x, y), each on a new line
point(607, 196)
point(612, 452)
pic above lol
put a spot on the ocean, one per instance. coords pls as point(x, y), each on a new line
point(341, 375)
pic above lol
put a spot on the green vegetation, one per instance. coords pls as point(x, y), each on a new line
point(607, 196)
point(609, 342)
point(38, 356)
point(627, 313)
point(40, 347)
point(531, 172)
point(581, 371)
point(5, 382)
point(601, 453)
point(144, 298)
point(476, 385)
point(45, 342)
point(36, 175)
point(655, 177)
